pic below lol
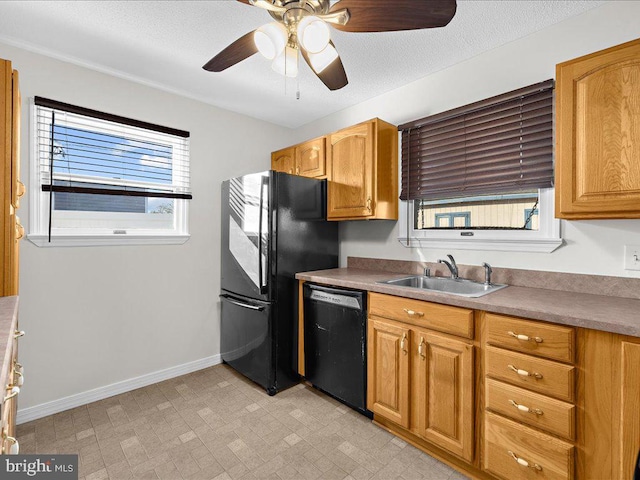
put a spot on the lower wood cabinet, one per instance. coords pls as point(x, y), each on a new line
point(420, 379)
point(388, 370)
point(443, 388)
point(512, 451)
point(501, 397)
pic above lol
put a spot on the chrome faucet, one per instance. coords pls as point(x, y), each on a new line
point(453, 268)
point(487, 273)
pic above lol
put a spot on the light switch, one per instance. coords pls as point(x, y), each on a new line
point(632, 257)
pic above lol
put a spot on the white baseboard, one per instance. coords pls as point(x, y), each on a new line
point(72, 401)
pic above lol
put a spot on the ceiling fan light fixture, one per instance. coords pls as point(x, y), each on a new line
point(320, 61)
point(270, 39)
point(313, 34)
point(287, 62)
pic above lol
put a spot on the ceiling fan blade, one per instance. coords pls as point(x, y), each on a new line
point(242, 48)
point(334, 76)
point(374, 16)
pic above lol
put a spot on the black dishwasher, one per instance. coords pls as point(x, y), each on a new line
point(335, 343)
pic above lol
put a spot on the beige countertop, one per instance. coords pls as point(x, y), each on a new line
point(598, 312)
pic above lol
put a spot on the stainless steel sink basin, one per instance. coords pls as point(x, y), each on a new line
point(459, 286)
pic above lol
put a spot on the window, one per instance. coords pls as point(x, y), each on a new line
point(98, 178)
point(481, 176)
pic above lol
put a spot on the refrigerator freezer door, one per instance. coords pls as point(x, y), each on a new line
point(245, 235)
point(246, 339)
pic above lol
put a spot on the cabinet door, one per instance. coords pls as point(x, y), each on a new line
point(598, 135)
point(310, 158)
point(351, 157)
point(444, 391)
point(283, 160)
point(629, 440)
point(388, 370)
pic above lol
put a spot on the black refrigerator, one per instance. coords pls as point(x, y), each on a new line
point(273, 226)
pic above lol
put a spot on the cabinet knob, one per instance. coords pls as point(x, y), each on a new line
point(403, 343)
point(525, 338)
point(297, 170)
point(524, 408)
point(523, 462)
point(524, 373)
point(369, 204)
point(18, 333)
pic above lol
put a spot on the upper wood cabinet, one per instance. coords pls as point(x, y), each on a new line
point(11, 188)
point(284, 160)
point(362, 164)
point(310, 158)
point(307, 159)
point(598, 134)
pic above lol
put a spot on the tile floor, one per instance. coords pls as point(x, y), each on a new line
point(216, 425)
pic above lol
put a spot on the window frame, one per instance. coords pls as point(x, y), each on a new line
point(39, 214)
point(544, 240)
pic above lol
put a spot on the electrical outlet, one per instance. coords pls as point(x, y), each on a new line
point(632, 257)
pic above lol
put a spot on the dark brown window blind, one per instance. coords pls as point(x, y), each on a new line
point(500, 145)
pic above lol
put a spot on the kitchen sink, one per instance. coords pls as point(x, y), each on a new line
point(458, 286)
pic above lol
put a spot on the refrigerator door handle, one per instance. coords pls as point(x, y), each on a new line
point(242, 304)
point(261, 270)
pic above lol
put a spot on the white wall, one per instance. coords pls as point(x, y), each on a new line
point(99, 315)
point(591, 246)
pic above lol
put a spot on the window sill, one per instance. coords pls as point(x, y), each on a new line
point(542, 245)
point(105, 240)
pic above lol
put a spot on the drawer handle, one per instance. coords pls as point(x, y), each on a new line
point(524, 373)
point(20, 381)
point(524, 408)
point(21, 189)
point(14, 449)
point(420, 349)
point(14, 391)
point(18, 333)
point(403, 343)
point(413, 313)
point(523, 462)
point(525, 338)
point(369, 204)
point(19, 231)
point(297, 170)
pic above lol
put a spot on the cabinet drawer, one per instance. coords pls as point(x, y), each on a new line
point(537, 338)
point(443, 318)
point(513, 451)
point(537, 410)
point(544, 376)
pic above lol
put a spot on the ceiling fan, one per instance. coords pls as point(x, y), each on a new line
point(301, 26)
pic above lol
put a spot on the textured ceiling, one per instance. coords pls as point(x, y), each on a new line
point(166, 43)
